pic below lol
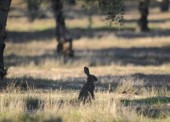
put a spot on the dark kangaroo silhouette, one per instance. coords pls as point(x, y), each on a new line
point(87, 91)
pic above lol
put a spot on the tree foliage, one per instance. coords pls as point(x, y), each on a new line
point(113, 9)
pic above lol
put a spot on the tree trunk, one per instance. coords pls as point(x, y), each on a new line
point(34, 10)
point(33, 6)
point(71, 2)
point(144, 12)
point(164, 5)
point(64, 39)
point(4, 8)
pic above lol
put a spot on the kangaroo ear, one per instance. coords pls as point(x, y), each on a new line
point(86, 71)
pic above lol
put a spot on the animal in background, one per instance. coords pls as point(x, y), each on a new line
point(87, 91)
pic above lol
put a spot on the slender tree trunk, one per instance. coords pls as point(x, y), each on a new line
point(34, 10)
point(71, 2)
point(144, 12)
point(4, 8)
point(164, 5)
point(64, 38)
point(33, 6)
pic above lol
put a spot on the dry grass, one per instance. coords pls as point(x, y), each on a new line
point(38, 105)
point(135, 64)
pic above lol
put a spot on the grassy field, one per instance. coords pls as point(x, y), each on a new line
point(40, 87)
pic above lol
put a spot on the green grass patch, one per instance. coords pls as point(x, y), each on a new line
point(147, 101)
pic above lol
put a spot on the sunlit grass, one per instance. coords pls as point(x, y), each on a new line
point(41, 87)
point(33, 105)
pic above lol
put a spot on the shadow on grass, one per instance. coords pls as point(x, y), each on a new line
point(71, 83)
point(136, 56)
point(26, 83)
point(33, 104)
point(147, 101)
point(54, 120)
point(152, 33)
point(154, 107)
point(48, 34)
point(77, 33)
point(21, 37)
point(155, 21)
point(155, 56)
point(28, 118)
